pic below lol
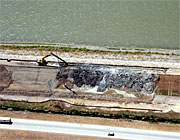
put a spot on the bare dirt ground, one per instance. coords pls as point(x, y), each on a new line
point(156, 60)
point(92, 120)
point(169, 84)
point(32, 135)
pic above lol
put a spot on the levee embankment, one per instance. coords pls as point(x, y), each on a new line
point(26, 86)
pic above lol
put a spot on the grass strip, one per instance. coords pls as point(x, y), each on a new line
point(60, 108)
point(71, 49)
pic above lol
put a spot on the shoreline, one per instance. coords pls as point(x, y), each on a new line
point(166, 65)
point(80, 45)
point(85, 56)
point(170, 60)
point(96, 47)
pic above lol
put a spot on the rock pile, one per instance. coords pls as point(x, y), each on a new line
point(106, 77)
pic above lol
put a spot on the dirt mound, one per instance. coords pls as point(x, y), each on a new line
point(5, 78)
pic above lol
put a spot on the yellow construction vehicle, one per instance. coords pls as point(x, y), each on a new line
point(43, 62)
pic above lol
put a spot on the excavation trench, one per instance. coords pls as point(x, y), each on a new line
point(92, 80)
point(87, 86)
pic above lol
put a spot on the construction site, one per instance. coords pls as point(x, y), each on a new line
point(96, 70)
point(54, 84)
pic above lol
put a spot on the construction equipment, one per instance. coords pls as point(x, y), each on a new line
point(80, 78)
point(43, 62)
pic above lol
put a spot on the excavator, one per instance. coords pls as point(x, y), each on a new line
point(61, 79)
point(43, 62)
point(91, 78)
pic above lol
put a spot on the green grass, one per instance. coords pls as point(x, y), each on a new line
point(70, 49)
point(60, 108)
point(163, 92)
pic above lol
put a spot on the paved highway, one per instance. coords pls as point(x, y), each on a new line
point(89, 130)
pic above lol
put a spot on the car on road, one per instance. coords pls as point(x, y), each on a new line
point(5, 120)
point(111, 134)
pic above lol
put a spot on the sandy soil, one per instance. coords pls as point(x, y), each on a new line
point(92, 120)
point(168, 61)
point(155, 60)
point(32, 135)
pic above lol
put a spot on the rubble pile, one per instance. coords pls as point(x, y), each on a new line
point(106, 77)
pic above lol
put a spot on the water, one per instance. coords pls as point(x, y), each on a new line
point(142, 23)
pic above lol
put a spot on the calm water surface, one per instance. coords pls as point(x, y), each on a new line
point(145, 23)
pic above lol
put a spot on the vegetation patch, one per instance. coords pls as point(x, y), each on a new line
point(58, 107)
point(163, 92)
point(72, 49)
point(172, 93)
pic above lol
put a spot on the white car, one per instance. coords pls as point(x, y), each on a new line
point(5, 120)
